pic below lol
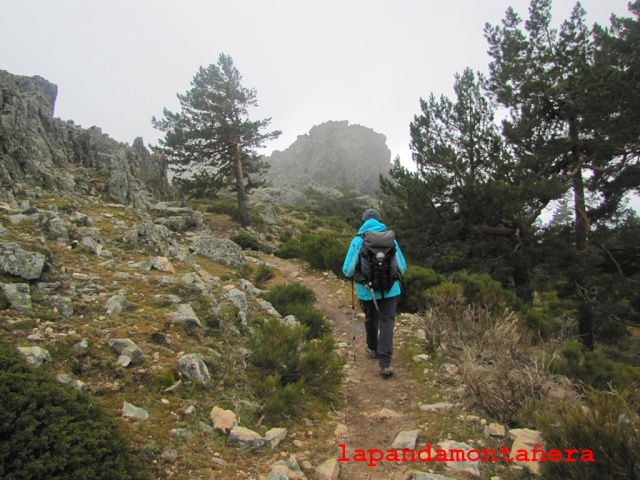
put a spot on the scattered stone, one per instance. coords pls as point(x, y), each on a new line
point(166, 280)
point(125, 346)
point(223, 420)
point(185, 314)
point(328, 470)
point(35, 355)
point(437, 407)
point(163, 264)
point(467, 466)
point(406, 440)
point(63, 305)
point(18, 295)
point(91, 245)
point(123, 361)
point(289, 468)
point(495, 430)
point(49, 286)
point(341, 431)
point(274, 436)
point(277, 475)
point(385, 414)
point(116, 304)
point(192, 366)
point(131, 411)
point(183, 433)
point(242, 436)
point(109, 265)
point(82, 346)
point(239, 299)
point(20, 263)
point(223, 251)
point(526, 440)
point(220, 461)
point(64, 378)
point(421, 358)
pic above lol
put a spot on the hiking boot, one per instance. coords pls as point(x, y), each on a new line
point(372, 353)
point(386, 371)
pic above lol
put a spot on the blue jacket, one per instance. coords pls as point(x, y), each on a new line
point(351, 260)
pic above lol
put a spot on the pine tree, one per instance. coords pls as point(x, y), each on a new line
point(212, 137)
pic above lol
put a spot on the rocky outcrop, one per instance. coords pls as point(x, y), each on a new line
point(331, 155)
point(38, 150)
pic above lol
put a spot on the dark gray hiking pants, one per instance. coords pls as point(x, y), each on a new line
point(379, 326)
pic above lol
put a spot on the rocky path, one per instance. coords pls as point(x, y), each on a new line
point(375, 409)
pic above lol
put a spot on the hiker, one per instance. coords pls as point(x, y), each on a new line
point(377, 302)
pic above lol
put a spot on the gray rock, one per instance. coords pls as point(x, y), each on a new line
point(244, 437)
point(223, 251)
point(274, 436)
point(35, 355)
point(49, 286)
point(277, 475)
point(116, 304)
point(186, 315)
point(82, 346)
point(131, 411)
point(18, 295)
point(192, 366)
point(91, 245)
point(20, 263)
point(56, 229)
point(63, 305)
point(406, 440)
point(239, 299)
point(125, 346)
point(467, 466)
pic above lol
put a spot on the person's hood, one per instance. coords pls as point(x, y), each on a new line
point(372, 225)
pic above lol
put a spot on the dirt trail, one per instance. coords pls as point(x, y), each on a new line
point(365, 392)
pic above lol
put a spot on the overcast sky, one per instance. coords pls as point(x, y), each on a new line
point(117, 63)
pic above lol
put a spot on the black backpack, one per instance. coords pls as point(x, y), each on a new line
point(376, 268)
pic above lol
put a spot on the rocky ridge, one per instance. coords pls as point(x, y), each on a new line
point(332, 155)
point(39, 150)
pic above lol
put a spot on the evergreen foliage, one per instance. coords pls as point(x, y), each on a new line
point(608, 427)
point(212, 137)
point(48, 430)
point(291, 371)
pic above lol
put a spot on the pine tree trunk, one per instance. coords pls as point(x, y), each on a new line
point(581, 280)
point(245, 221)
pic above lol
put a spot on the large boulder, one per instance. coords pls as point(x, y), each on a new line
point(20, 263)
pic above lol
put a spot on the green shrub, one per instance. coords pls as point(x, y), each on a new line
point(416, 281)
point(246, 241)
point(291, 248)
point(49, 430)
point(594, 368)
point(262, 275)
point(291, 294)
point(480, 288)
point(308, 316)
point(280, 400)
point(290, 370)
point(225, 206)
point(544, 323)
point(607, 427)
point(324, 251)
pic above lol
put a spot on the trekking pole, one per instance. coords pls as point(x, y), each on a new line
point(353, 318)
